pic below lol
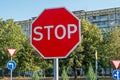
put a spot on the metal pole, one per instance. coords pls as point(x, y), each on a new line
point(96, 68)
point(11, 72)
point(56, 72)
point(96, 63)
point(117, 75)
point(11, 75)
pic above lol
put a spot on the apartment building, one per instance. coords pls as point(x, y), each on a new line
point(104, 19)
point(26, 25)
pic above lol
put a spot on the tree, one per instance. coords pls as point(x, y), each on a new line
point(11, 36)
point(46, 64)
point(30, 60)
point(114, 43)
point(91, 40)
point(85, 53)
point(74, 60)
point(110, 47)
point(103, 53)
point(27, 58)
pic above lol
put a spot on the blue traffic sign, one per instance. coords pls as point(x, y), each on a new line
point(11, 65)
point(116, 74)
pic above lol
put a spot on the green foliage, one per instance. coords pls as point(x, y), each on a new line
point(110, 47)
point(113, 44)
point(91, 39)
point(45, 64)
point(35, 76)
point(27, 59)
point(11, 36)
point(64, 75)
point(90, 75)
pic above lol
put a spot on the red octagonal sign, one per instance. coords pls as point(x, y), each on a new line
point(55, 33)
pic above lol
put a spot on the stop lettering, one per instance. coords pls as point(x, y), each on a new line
point(56, 30)
point(55, 33)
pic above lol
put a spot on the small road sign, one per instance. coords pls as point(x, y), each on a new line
point(11, 65)
point(116, 63)
point(11, 51)
point(116, 74)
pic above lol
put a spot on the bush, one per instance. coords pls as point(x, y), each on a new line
point(35, 76)
point(90, 75)
point(64, 75)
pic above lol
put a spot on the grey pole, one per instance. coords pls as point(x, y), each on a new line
point(117, 75)
point(56, 72)
point(11, 71)
point(96, 63)
point(96, 68)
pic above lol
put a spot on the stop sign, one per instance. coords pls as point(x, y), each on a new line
point(55, 33)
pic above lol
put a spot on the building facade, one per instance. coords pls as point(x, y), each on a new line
point(104, 19)
point(26, 25)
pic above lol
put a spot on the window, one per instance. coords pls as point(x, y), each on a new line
point(118, 22)
point(104, 17)
point(98, 24)
point(96, 18)
point(104, 24)
point(112, 23)
point(89, 18)
point(112, 16)
point(118, 15)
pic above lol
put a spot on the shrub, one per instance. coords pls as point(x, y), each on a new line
point(35, 76)
point(90, 75)
point(64, 75)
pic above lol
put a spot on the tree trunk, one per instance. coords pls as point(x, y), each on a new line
point(75, 74)
point(19, 73)
point(2, 71)
point(75, 71)
point(24, 73)
point(44, 73)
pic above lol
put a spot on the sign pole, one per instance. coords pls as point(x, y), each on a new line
point(96, 63)
point(56, 72)
point(11, 52)
point(11, 71)
point(11, 75)
point(117, 75)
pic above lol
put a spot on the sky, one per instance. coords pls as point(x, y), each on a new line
point(25, 9)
